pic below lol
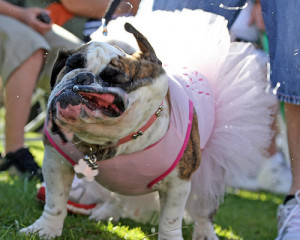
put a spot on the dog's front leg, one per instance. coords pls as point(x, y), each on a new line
point(173, 199)
point(58, 176)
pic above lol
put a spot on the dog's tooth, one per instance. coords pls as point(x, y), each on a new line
point(75, 88)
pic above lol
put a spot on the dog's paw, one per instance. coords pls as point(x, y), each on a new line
point(106, 211)
point(204, 231)
point(46, 231)
point(47, 226)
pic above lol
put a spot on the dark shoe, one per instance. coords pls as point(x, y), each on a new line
point(4, 164)
point(24, 162)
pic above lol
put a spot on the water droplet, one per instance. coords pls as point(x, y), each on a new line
point(276, 88)
point(233, 8)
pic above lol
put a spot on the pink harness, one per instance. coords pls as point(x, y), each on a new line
point(136, 173)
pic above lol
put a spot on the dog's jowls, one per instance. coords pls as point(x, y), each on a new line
point(101, 95)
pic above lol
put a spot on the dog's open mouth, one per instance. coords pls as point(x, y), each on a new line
point(110, 101)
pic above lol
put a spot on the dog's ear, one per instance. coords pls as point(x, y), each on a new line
point(58, 65)
point(144, 45)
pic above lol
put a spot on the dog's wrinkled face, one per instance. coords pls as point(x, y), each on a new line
point(101, 94)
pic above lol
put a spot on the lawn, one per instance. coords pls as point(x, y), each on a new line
point(243, 215)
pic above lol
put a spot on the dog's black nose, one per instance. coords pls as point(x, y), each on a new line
point(84, 78)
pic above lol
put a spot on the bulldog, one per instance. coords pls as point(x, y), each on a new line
point(120, 118)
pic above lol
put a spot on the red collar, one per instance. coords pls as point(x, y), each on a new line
point(135, 135)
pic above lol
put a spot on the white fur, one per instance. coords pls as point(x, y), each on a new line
point(99, 54)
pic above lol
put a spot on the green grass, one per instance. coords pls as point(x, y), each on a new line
point(243, 215)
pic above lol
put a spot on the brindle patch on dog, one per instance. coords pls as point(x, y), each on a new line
point(130, 73)
point(191, 158)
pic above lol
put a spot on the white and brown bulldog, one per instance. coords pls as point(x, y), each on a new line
point(122, 120)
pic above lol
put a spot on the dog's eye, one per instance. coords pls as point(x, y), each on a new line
point(75, 61)
point(111, 76)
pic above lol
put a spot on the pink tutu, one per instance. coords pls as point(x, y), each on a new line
point(241, 130)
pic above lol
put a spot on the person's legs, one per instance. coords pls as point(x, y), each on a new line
point(284, 42)
point(292, 113)
point(289, 213)
point(21, 59)
point(19, 90)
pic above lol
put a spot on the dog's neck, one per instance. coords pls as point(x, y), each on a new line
point(135, 135)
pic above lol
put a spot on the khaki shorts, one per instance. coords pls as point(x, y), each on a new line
point(18, 42)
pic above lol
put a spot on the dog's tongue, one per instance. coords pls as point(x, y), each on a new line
point(111, 101)
point(103, 100)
